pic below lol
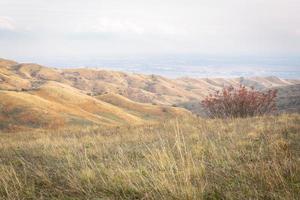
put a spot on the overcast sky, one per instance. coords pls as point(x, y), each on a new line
point(38, 30)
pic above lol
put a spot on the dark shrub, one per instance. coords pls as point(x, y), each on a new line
point(239, 102)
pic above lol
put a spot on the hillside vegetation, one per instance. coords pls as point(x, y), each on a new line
point(190, 158)
point(36, 97)
point(152, 89)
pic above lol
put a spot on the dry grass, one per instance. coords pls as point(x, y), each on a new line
point(253, 158)
point(56, 105)
point(142, 110)
point(137, 87)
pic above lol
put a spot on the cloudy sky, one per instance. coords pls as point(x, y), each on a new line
point(43, 30)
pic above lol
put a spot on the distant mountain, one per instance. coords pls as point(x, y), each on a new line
point(36, 96)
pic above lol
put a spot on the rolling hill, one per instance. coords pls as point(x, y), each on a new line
point(34, 96)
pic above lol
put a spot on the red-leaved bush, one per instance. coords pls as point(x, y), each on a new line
point(239, 102)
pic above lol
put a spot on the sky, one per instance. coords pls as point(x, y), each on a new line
point(139, 32)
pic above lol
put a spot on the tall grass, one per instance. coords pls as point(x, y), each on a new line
point(252, 158)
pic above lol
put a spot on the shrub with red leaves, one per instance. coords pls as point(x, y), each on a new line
point(239, 102)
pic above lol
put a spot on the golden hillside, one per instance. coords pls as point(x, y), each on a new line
point(146, 111)
point(35, 96)
point(55, 105)
point(137, 87)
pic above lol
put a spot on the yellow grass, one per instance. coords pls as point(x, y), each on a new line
point(55, 105)
point(142, 110)
point(137, 87)
point(254, 158)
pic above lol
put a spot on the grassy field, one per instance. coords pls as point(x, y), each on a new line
point(254, 158)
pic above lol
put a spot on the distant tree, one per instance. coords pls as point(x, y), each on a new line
point(240, 102)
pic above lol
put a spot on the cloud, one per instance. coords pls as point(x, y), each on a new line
point(7, 23)
point(118, 26)
point(109, 25)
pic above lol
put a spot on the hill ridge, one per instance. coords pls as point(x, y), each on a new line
point(125, 97)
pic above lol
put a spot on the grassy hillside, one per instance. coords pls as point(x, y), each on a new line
point(56, 105)
point(33, 96)
point(252, 158)
point(141, 109)
point(137, 87)
point(289, 98)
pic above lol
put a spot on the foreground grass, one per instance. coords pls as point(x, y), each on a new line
point(255, 158)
